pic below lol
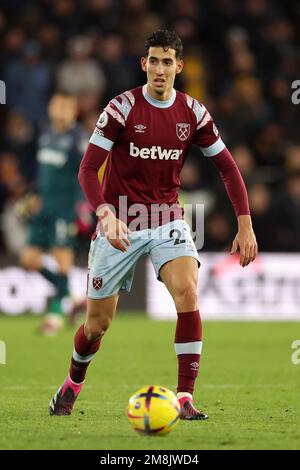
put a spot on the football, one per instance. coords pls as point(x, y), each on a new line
point(153, 410)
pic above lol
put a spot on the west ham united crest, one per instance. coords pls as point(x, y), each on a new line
point(97, 283)
point(183, 130)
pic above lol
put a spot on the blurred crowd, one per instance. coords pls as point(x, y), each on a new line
point(240, 61)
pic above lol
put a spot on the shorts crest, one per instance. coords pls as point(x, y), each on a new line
point(97, 283)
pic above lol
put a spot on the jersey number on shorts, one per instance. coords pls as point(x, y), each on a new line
point(175, 233)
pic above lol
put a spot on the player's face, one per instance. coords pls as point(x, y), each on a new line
point(161, 67)
point(62, 111)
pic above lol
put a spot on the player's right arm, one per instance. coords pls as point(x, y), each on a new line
point(114, 229)
point(110, 123)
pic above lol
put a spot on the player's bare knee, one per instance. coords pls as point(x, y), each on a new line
point(92, 331)
point(64, 258)
point(23, 260)
point(64, 270)
point(96, 328)
point(93, 334)
point(65, 263)
point(186, 297)
point(29, 259)
point(104, 324)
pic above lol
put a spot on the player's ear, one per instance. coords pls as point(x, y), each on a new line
point(179, 66)
point(144, 64)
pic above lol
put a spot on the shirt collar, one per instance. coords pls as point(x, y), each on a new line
point(159, 103)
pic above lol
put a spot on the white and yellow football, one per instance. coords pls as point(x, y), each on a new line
point(153, 410)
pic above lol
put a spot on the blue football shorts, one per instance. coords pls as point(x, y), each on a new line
point(111, 270)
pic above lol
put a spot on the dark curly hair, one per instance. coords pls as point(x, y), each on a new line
point(167, 40)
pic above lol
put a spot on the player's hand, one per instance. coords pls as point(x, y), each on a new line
point(116, 231)
point(28, 206)
point(245, 241)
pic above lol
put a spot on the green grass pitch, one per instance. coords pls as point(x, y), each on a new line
point(247, 384)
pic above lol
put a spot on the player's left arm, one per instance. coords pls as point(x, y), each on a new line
point(245, 240)
point(212, 146)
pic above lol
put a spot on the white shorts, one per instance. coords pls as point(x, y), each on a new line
point(111, 270)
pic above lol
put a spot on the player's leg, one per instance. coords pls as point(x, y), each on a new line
point(61, 241)
point(31, 258)
point(34, 257)
point(62, 261)
point(175, 260)
point(110, 271)
point(100, 313)
point(180, 276)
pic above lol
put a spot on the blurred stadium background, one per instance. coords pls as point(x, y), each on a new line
point(240, 61)
point(241, 58)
